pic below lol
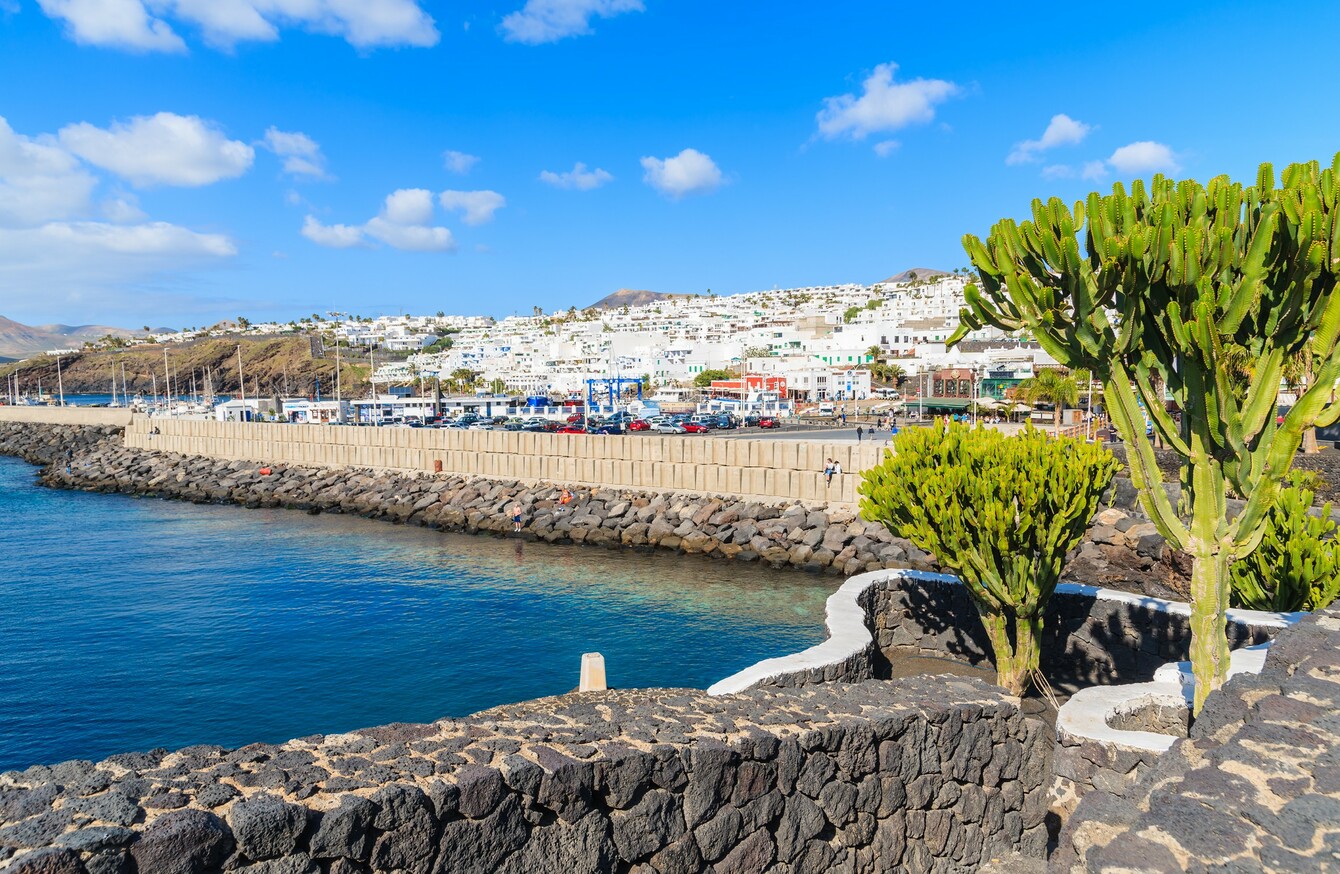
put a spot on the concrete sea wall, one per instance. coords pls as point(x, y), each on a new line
point(756, 469)
point(98, 416)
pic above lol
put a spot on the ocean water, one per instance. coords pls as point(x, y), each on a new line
point(128, 623)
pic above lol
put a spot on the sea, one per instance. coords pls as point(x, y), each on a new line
point(133, 623)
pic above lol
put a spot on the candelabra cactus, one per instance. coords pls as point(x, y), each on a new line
point(1001, 512)
point(1297, 565)
point(1176, 280)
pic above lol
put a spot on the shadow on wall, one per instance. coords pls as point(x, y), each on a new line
point(1087, 640)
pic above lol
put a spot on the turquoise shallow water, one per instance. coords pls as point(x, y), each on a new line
point(127, 624)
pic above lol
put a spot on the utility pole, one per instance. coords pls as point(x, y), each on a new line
point(241, 383)
point(60, 382)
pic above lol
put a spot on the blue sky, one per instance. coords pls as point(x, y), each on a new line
point(174, 162)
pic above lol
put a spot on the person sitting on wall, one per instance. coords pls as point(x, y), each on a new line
point(828, 472)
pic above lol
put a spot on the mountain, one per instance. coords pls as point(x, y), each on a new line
point(272, 364)
point(915, 272)
point(18, 340)
point(631, 297)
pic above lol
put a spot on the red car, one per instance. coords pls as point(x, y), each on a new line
point(575, 417)
point(571, 429)
point(639, 425)
point(769, 422)
point(695, 428)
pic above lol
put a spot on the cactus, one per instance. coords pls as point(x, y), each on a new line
point(1297, 565)
point(1001, 512)
point(1176, 280)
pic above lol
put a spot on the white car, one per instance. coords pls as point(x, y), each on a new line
point(668, 428)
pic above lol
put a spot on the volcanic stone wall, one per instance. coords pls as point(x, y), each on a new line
point(932, 774)
point(1256, 787)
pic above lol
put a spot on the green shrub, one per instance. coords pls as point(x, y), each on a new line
point(1001, 512)
point(1297, 565)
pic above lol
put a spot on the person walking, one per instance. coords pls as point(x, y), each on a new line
point(859, 433)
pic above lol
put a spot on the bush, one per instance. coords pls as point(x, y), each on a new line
point(1297, 565)
point(1001, 512)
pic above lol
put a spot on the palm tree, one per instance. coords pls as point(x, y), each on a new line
point(1052, 386)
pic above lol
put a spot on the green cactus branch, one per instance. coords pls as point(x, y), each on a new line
point(1178, 282)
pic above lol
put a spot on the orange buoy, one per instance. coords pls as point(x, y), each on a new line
point(265, 471)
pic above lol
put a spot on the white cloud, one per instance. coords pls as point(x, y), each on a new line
point(302, 156)
point(409, 206)
point(122, 210)
point(1094, 170)
point(149, 238)
point(884, 148)
point(50, 237)
point(459, 163)
point(143, 25)
point(1145, 156)
point(884, 105)
point(578, 178)
point(1062, 130)
point(332, 236)
point(411, 238)
point(162, 149)
point(1134, 159)
point(689, 172)
point(541, 21)
point(1058, 171)
point(39, 181)
point(122, 24)
point(402, 224)
point(478, 207)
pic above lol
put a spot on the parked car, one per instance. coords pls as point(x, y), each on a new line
point(514, 426)
point(575, 417)
point(605, 428)
point(668, 428)
point(769, 422)
point(573, 428)
point(752, 420)
point(695, 428)
point(639, 425)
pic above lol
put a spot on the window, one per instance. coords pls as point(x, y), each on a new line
point(939, 388)
point(964, 388)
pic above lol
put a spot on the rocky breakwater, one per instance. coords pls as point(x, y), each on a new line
point(44, 444)
point(1122, 550)
point(830, 540)
point(930, 774)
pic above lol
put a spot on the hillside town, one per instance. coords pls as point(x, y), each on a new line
point(800, 345)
